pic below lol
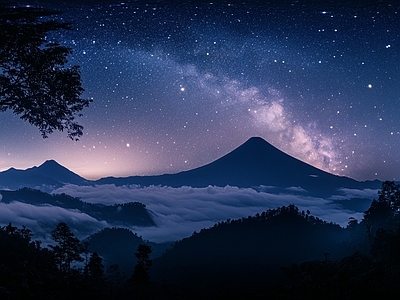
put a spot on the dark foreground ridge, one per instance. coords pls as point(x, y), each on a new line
point(281, 253)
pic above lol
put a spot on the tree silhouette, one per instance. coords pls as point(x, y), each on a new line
point(384, 212)
point(68, 248)
point(26, 269)
point(141, 275)
point(34, 83)
point(390, 193)
point(95, 267)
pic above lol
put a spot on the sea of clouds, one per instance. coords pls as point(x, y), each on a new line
point(178, 212)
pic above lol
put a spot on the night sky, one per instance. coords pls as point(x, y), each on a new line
point(176, 86)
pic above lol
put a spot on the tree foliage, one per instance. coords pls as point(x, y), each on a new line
point(141, 273)
point(25, 267)
point(68, 248)
point(95, 267)
point(384, 212)
point(236, 257)
point(34, 82)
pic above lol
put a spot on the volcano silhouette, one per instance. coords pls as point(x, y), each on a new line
point(49, 174)
point(254, 163)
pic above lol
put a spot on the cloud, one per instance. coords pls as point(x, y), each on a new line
point(353, 193)
point(178, 212)
point(42, 219)
point(296, 189)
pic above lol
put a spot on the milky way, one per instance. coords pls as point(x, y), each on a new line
point(176, 86)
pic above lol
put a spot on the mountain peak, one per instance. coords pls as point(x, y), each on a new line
point(50, 162)
point(256, 139)
point(51, 166)
point(54, 170)
point(50, 173)
point(255, 143)
point(254, 163)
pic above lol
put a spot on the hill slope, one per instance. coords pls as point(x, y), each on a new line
point(248, 253)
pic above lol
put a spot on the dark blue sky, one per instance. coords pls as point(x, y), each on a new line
point(176, 86)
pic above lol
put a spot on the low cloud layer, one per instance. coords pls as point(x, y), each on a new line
point(178, 212)
point(43, 219)
point(353, 193)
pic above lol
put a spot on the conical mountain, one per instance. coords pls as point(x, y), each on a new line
point(257, 162)
point(53, 169)
point(47, 176)
point(254, 163)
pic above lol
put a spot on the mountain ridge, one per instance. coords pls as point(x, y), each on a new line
point(254, 163)
point(47, 176)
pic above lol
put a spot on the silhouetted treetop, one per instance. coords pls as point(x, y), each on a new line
point(384, 212)
point(284, 211)
point(68, 248)
point(95, 267)
point(34, 83)
point(25, 267)
point(141, 272)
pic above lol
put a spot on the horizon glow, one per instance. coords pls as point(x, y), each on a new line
point(177, 87)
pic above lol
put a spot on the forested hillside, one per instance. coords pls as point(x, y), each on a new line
point(237, 255)
point(281, 252)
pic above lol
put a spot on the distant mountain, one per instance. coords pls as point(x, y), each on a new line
point(127, 214)
point(254, 163)
point(46, 177)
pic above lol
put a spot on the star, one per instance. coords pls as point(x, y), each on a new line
point(209, 77)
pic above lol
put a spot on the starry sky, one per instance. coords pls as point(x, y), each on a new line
point(176, 86)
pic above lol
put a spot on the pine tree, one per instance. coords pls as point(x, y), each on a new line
point(68, 248)
point(141, 272)
point(95, 267)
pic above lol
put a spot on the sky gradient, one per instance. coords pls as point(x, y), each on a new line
point(176, 86)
